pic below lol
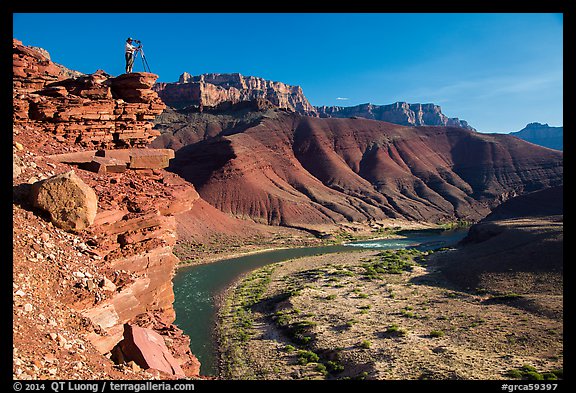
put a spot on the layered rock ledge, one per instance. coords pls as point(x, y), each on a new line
point(90, 111)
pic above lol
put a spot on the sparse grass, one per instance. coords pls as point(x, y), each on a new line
point(330, 297)
point(237, 311)
point(351, 322)
point(289, 348)
point(505, 296)
point(436, 333)
point(396, 331)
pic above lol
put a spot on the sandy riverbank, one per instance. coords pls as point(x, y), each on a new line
point(325, 317)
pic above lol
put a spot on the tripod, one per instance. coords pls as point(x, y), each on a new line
point(144, 61)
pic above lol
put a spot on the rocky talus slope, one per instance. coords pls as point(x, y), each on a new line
point(86, 300)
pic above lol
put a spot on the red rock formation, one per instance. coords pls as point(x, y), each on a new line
point(132, 236)
point(210, 90)
point(91, 111)
point(295, 170)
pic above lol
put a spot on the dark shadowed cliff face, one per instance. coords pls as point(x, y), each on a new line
point(295, 170)
point(518, 248)
point(401, 113)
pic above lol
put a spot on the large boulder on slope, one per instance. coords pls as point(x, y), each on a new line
point(71, 203)
point(147, 349)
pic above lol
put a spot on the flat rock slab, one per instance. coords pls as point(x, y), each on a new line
point(147, 349)
point(148, 159)
point(105, 165)
point(140, 158)
point(79, 157)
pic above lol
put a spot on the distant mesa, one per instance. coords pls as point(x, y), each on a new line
point(543, 135)
point(401, 113)
point(210, 90)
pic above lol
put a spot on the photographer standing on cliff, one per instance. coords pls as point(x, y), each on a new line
point(130, 50)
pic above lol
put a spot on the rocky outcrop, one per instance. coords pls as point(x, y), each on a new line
point(91, 111)
point(543, 135)
point(32, 70)
point(401, 113)
point(210, 90)
point(70, 203)
point(134, 234)
point(301, 171)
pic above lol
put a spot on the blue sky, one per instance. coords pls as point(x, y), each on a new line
point(497, 71)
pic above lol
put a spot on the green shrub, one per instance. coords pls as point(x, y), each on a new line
point(334, 367)
point(321, 368)
point(363, 375)
point(305, 357)
point(365, 344)
point(514, 374)
point(436, 333)
point(559, 372)
point(533, 375)
point(289, 348)
point(529, 372)
point(330, 297)
point(351, 322)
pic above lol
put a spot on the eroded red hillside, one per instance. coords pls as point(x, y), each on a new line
point(300, 171)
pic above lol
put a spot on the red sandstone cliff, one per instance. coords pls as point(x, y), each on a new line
point(74, 292)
